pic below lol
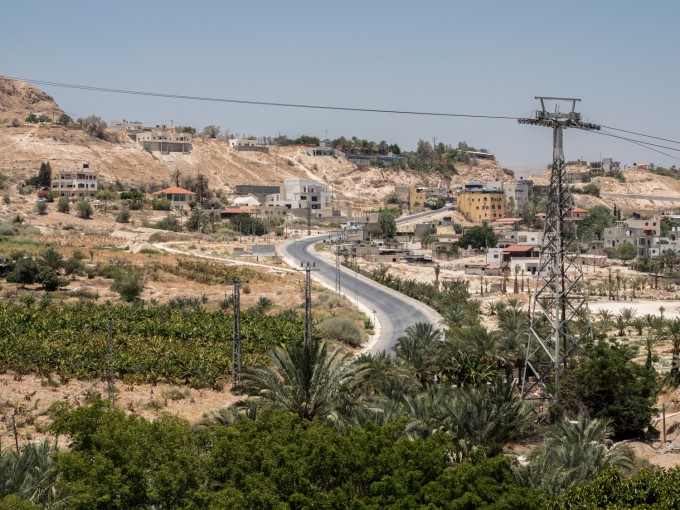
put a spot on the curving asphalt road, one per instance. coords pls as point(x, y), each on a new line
point(394, 312)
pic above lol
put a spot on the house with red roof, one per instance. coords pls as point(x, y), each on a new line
point(578, 214)
point(177, 196)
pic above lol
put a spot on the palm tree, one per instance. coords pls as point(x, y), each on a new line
point(31, 473)
point(639, 324)
point(673, 331)
point(573, 454)
point(176, 176)
point(308, 379)
point(421, 346)
point(51, 259)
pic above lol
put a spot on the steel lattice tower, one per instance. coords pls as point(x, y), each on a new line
point(560, 320)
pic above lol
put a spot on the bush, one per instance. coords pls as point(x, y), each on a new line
point(50, 280)
point(123, 216)
point(41, 207)
point(93, 126)
point(6, 200)
point(128, 284)
point(161, 204)
point(84, 209)
point(168, 224)
point(63, 206)
point(342, 329)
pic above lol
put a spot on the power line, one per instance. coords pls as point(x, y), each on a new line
point(640, 143)
point(641, 134)
point(258, 103)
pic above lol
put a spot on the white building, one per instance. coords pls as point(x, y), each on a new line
point(302, 194)
point(517, 191)
point(76, 183)
point(124, 125)
point(241, 142)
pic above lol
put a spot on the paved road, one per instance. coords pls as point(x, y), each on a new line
point(394, 311)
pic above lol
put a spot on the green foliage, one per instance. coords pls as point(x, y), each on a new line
point(591, 189)
point(612, 386)
point(63, 205)
point(94, 126)
point(128, 283)
point(45, 175)
point(269, 462)
point(41, 207)
point(131, 195)
point(306, 140)
point(211, 131)
point(50, 279)
point(64, 120)
point(123, 216)
point(161, 203)
point(169, 223)
point(247, 225)
point(84, 209)
point(434, 203)
point(387, 222)
point(573, 454)
point(28, 476)
point(650, 488)
point(624, 251)
point(478, 237)
point(153, 344)
point(341, 329)
point(592, 227)
point(24, 271)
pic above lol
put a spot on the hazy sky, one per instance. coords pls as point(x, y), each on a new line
point(478, 57)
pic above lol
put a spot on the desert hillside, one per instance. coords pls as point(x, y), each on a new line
point(23, 148)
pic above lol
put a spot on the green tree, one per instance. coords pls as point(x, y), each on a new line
point(387, 224)
point(84, 209)
point(625, 251)
point(309, 379)
point(24, 271)
point(63, 206)
point(128, 284)
point(478, 237)
point(64, 120)
point(45, 175)
point(211, 131)
point(30, 475)
point(50, 279)
point(123, 216)
point(94, 126)
point(41, 207)
point(612, 386)
point(421, 347)
point(573, 454)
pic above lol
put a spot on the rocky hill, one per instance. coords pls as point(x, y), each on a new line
point(19, 99)
point(23, 148)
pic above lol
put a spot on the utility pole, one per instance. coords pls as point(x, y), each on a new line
point(236, 347)
point(308, 268)
point(559, 303)
point(110, 376)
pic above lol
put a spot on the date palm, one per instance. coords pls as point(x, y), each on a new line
point(31, 473)
point(421, 346)
point(572, 454)
point(309, 379)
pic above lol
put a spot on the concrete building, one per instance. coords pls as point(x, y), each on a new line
point(246, 144)
point(516, 193)
point(526, 257)
point(522, 238)
point(131, 128)
point(304, 194)
point(323, 149)
point(479, 204)
point(164, 140)
point(76, 183)
point(260, 192)
point(643, 234)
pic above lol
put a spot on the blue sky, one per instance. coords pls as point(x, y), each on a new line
point(481, 57)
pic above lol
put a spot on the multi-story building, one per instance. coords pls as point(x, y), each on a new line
point(76, 183)
point(302, 194)
point(479, 204)
point(516, 193)
point(164, 140)
point(643, 234)
point(247, 144)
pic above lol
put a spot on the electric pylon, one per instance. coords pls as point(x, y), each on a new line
point(236, 348)
point(560, 320)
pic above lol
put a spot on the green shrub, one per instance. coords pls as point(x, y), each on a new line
point(128, 284)
point(41, 207)
point(342, 329)
point(123, 216)
point(84, 209)
point(63, 206)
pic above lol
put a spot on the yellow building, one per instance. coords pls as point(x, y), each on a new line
point(481, 205)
